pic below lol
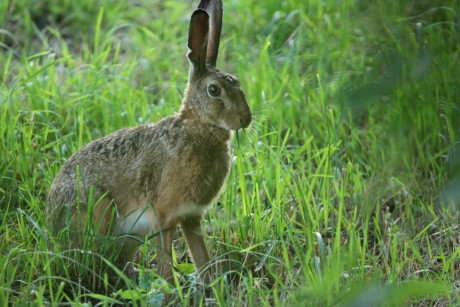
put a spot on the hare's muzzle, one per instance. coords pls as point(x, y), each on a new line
point(246, 116)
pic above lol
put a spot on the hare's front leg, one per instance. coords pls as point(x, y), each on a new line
point(191, 227)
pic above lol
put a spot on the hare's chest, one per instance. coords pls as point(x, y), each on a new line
point(194, 179)
point(211, 171)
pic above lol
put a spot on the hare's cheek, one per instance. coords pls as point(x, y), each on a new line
point(216, 109)
point(219, 105)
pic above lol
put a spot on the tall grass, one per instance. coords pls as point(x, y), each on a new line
point(343, 192)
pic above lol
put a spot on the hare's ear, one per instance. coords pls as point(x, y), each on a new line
point(214, 9)
point(198, 39)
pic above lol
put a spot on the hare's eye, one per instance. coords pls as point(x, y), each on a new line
point(214, 90)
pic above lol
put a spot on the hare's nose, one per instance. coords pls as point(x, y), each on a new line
point(246, 117)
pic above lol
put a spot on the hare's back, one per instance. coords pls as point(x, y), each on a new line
point(116, 162)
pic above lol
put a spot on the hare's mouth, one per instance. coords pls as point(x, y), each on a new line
point(244, 119)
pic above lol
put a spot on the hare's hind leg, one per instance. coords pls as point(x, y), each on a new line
point(164, 234)
point(138, 222)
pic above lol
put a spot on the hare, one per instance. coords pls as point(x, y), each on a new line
point(148, 179)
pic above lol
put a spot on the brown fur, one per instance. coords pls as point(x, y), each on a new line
point(150, 178)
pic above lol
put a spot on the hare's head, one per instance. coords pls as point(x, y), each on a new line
point(214, 97)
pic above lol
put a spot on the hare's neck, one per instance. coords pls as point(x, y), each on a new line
point(198, 127)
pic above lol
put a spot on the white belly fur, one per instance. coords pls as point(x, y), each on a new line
point(137, 223)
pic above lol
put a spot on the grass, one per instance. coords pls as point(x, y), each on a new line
point(343, 192)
